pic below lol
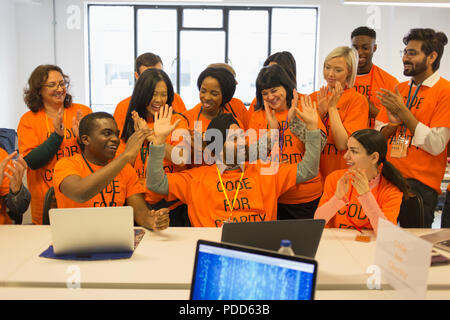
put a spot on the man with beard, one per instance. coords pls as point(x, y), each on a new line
point(416, 120)
point(370, 78)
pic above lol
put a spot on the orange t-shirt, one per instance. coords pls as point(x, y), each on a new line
point(4, 190)
point(431, 107)
point(201, 190)
point(368, 85)
point(388, 197)
point(122, 108)
point(292, 152)
point(123, 186)
point(140, 164)
point(34, 128)
point(354, 112)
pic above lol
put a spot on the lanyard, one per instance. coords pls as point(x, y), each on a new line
point(348, 207)
point(101, 192)
point(409, 102)
point(225, 191)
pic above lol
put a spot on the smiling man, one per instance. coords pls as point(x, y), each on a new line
point(416, 119)
point(97, 178)
point(370, 78)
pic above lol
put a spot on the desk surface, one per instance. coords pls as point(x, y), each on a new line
point(164, 261)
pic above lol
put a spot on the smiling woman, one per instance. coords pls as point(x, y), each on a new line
point(48, 131)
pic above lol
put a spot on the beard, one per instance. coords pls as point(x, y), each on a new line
point(415, 69)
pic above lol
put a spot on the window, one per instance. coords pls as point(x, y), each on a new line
point(188, 39)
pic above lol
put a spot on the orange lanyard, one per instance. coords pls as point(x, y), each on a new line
point(225, 191)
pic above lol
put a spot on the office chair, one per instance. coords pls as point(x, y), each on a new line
point(49, 203)
point(412, 213)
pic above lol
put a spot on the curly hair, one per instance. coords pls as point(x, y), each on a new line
point(32, 95)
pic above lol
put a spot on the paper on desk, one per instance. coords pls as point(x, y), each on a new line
point(404, 260)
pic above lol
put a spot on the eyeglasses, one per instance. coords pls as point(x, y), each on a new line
point(408, 53)
point(56, 85)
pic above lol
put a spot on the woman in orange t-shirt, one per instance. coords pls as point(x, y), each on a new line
point(48, 131)
point(154, 90)
point(342, 109)
point(272, 87)
point(371, 188)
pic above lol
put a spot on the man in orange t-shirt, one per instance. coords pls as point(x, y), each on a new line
point(230, 190)
point(370, 78)
point(96, 178)
point(416, 120)
point(145, 61)
point(14, 196)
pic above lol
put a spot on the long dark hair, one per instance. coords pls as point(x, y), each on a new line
point(287, 61)
point(32, 95)
point(273, 76)
point(374, 141)
point(143, 95)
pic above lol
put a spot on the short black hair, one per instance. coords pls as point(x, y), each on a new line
point(87, 124)
point(147, 59)
point(364, 31)
point(226, 81)
point(287, 61)
point(221, 122)
point(431, 41)
point(273, 76)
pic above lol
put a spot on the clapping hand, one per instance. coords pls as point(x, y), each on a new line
point(309, 112)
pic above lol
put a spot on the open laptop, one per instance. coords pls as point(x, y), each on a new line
point(92, 230)
point(224, 271)
point(439, 239)
point(304, 234)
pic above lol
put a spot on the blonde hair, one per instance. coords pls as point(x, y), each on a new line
point(351, 58)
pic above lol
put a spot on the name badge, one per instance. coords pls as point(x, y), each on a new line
point(399, 147)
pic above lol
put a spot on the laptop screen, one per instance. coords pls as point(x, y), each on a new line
point(233, 272)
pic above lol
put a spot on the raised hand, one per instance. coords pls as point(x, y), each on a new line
point(140, 123)
point(336, 94)
point(360, 181)
point(135, 142)
point(163, 126)
point(270, 116)
point(58, 122)
point(4, 163)
point(16, 173)
point(393, 102)
point(309, 113)
point(294, 105)
point(322, 100)
point(76, 122)
point(343, 185)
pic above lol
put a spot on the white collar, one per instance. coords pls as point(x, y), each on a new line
point(430, 81)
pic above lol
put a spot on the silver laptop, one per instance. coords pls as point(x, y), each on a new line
point(439, 239)
point(92, 230)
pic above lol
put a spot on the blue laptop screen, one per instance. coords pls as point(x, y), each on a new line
point(226, 274)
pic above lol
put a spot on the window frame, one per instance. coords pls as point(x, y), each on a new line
point(225, 28)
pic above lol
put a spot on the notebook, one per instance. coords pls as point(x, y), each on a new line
point(224, 271)
point(304, 234)
point(92, 230)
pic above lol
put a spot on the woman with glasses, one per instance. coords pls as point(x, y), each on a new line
point(48, 131)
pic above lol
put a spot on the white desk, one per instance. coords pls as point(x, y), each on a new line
point(164, 261)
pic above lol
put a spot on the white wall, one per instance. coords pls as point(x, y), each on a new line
point(26, 35)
